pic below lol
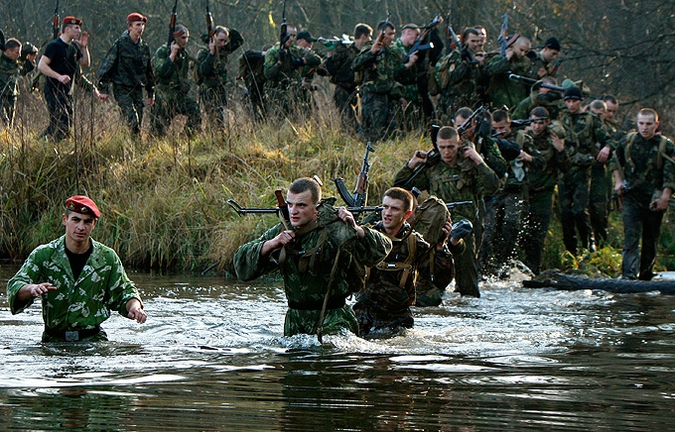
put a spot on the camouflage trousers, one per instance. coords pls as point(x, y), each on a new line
point(501, 229)
point(305, 321)
point(573, 191)
point(639, 223)
point(214, 101)
point(346, 102)
point(536, 220)
point(601, 191)
point(130, 101)
point(379, 116)
point(170, 102)
point(7, 109)
point(466, 269)
point(372, 316)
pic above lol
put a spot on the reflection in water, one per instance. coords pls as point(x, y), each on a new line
point(212, 357)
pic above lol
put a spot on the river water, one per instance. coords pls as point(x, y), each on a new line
point(212, 357)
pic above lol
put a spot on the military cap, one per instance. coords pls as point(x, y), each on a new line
point(83, 205)
point(135, 16)
point(71, 20)
point(304, 34)
point(573, 93)
point(553, 44)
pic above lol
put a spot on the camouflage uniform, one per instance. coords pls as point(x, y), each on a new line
point(252, 72)
point(381, 90)
point(458, 81)
point(307, 267)
point(587, 136)
point(212, 73)
point(644, 176)
point(285, 92)
point(339, 66)
point(390, 288)
point(464, 181)
point(413, 116)
point(539, 207)
point(10, 71)
point(504, 91)
point(127, 65)
point(552, 101)
point(75, 305)
point(173, 92)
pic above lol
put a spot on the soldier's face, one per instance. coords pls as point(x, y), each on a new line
point(389, 35)
point(550, 55)
point(539, 126)
point(182, 40)
point(647, 125)
point(136, 29)
point(473, 42)
point(13, 53)
point(301, 208)
point(221, 40)
point(409, 36)
point(78, 227)
point(393, 214)
point(72, 32)
point(611, 110)
point(448, 149)
point(503, 128)
point(574, 105)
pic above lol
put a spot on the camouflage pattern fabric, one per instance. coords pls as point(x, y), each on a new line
point(458, 81)
point(10, 73)
point(551, 100)
point(306, 271)
point(504, 91)
point(172, 92)
point(644, 175)
point(80, 304)
point(339, 66)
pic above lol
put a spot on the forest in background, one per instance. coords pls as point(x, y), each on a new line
point(616, 46)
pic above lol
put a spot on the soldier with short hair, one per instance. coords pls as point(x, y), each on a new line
point(212, 71)
point(11, 69)
point(543, 60)
point(172, 68)
point(127, 66)
point(503, 91)
point(644, 171)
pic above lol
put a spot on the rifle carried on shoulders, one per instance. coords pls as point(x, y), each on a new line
point(532, 81)
point(360, 195)
point(172, 24)
point(433, 157)
point(419, 44)
point(452, 205)
point(282, 208)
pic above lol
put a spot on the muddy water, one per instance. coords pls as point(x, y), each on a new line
point(211, 357)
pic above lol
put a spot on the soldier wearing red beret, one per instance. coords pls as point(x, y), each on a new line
point(78, 279)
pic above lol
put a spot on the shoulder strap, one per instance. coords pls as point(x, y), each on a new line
point(630, 139)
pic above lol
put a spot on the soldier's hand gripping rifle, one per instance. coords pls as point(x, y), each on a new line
point(172, 24)
point(464, 51)
point(360, 195)
point(532, 81)
point(282, 209)
point(380, 37)
point(419, 45)
point(433, 156)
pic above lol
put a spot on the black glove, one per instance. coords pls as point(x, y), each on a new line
point(297, 63)
point(461, 229)
point(282, 55)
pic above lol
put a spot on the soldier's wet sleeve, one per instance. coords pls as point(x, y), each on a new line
point(28, 273)
point(371, 249)
point(164, 66)
point(249, 263)
point(108, 68)
point(120, 288)
point(486, 180)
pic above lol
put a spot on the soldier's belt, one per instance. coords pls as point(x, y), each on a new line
point(333, 303)
point(72, 335)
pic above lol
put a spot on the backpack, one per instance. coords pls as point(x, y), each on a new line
point(428, 219)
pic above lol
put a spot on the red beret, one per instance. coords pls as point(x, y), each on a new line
point(72, 20)
point(83, 205)
point(135, 16)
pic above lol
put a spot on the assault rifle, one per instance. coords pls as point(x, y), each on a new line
point(526, 122)
point(419, 46)
point(433, 156)
point(452, 205)
point(56, 22)
point(503, 36)
point(283, 208)
point(360, 196)
point(380, 37)
point(468, 122)
point(555, 66)
point(283, 35)
point(466, 54)
point(532, 81)
point(332, 43)
point(209, 22)
point(172, 24)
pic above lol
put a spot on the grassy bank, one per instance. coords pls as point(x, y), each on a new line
point(163, 202)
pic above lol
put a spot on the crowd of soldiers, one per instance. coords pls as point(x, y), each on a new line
point(512, 137)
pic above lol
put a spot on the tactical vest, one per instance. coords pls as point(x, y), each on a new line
point(630, 140)
point(405, 266)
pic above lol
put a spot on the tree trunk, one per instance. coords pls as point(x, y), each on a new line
point(573, 283)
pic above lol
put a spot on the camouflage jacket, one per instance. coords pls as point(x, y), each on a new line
point(504, 91)
point(169, 73)
point(488, 148)
point(458, 78)
point(409, 90)
point(212, 69)
point(78, 304)
point(339, 66)
point(282, 76)
point(545, 176)
point(465, 181)
point(587, 135)
point(127, 64)
point(391, 284)
point(10, 71)
point(551, 100)
point(310, 258)
point(641, 168)
point(383, 72)
point(518, 173)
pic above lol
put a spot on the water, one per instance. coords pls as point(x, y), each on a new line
point(211, 357)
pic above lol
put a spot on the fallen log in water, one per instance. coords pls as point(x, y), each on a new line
point(572, 283)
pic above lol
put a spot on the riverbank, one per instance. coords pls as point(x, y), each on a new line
point(164, 201)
